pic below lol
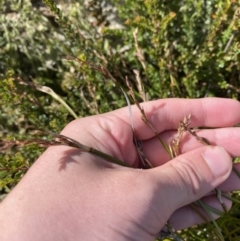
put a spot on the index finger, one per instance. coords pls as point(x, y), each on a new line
point(165, 114)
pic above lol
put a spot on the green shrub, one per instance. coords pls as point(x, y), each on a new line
point(84, 53)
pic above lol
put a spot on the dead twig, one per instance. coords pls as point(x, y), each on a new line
point(140, 85)
point(49, 91)
point(139, 51)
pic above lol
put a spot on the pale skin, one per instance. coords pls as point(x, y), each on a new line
point(69, 195)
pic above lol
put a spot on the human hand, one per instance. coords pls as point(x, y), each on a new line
point(71, 195)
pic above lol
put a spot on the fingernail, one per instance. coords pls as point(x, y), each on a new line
point(218, 160)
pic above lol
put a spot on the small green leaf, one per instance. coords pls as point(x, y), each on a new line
point(3, 174)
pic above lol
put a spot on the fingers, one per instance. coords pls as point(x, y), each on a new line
point(166, 114)
point(191, 176)
point(186, 216)
point(228, 138)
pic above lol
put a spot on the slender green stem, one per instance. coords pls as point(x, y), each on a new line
point(108, 157)
point(236, 171)
point(67, 141)
point(217, 230)
point(230, 198)
point(213, 210)
point(49, 91)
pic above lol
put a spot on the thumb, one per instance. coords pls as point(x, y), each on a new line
point(192, 175)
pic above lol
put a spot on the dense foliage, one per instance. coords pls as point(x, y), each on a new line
point(84, 53)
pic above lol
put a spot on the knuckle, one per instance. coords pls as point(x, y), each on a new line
point(190, 175)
